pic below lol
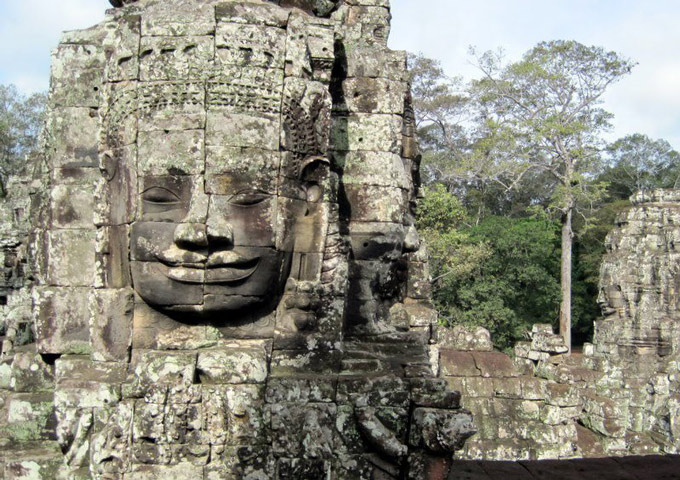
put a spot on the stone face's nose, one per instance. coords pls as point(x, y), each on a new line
point(411, 240)
point(219, 231)
point(191, 236)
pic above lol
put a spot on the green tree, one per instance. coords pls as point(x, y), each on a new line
point(636, 162)
point(501, 273)
point(442, 220)
point(543, 114)
point(21, 118)
point(440, 103)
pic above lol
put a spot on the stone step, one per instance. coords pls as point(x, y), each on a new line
point(618, 468)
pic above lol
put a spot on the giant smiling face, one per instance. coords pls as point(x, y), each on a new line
point(218, 161)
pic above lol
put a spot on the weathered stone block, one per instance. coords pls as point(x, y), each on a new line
point(534, 388)
point(111, 313)
point(440, 431)
point(169, 368)
point(556, 373)
point(527, 410)
point(5, 373)
point(83, 369)
point(289, 362)
point(413, 315)
point(372, 95)
point(306, 431)
point(232, 364)
point(171, 152)
point(373, 391)
point(252, 13)
point(71, 256)
point(61, 320)
point(522, 349)
point(182, 20)
point(457, 364)
point(29, 373)
point(240, 462)
point(250, 45)
point(303, 468)
point(493, 364)
point(367, 132)
point(72, 206)
point(78, 131)
point(507, 387)
point(253, 130)
point(563, 395)
point(434, 393)
point(182, 471)
point(364, 61)
point(381, 169)
point(28, 417)
point(77, 75)
point(83, 394)
point(548, 342)
point(368, 24)
point(463, 338)
point(174, 58)
point(232, 169)
point(554, 415)
point(477, 387)
point(604, 416)
point(300, 390)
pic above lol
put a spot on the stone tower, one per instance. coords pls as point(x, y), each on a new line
point(228, 280)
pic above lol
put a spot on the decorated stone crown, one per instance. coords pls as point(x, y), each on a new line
point(318, 7)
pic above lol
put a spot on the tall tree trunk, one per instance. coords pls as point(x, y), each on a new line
point(565, 277)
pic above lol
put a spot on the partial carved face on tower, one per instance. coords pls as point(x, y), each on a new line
point(225, 156)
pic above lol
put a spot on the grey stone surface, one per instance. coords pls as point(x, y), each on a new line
point(228, 282)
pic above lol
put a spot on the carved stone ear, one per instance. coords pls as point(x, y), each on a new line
point(314, 169)
point(313, 175)
point(311, 228)
point(108, 165)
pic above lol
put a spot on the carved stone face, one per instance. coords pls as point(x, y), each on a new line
point(207, 244)
point(214, 135)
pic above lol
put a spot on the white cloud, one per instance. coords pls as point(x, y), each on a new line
point(647, 101)
point(30, 29)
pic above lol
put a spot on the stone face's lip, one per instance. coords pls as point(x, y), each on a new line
point(216, 271)
point(227, 275)
point(229, 258)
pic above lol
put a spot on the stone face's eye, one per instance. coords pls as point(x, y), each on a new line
point(247, 198)
point(160, 195)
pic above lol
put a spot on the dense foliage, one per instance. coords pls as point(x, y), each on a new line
point(501, 273)
point(518, 173)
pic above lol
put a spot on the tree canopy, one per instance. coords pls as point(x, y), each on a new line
point(21, 119)
point(521, 149)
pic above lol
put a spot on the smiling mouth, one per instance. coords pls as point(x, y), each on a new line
point(221, 267)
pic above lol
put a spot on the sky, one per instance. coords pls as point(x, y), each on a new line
point(647, 101)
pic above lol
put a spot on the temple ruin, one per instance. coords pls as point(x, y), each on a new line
point(213, 272)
